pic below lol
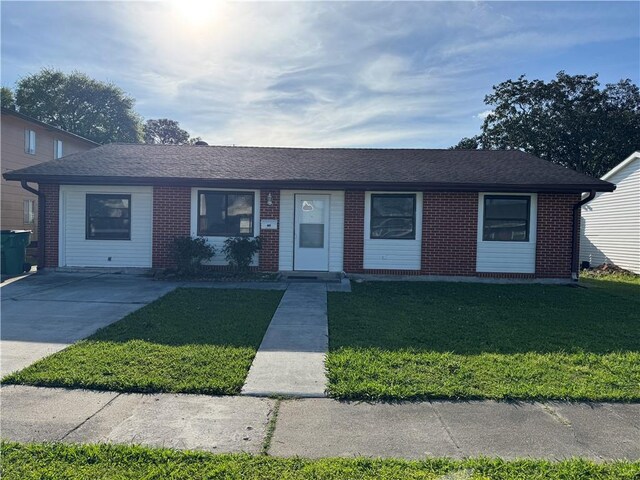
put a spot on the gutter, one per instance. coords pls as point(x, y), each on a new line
point(575, 235)
point(41, 222)
point(294, 183)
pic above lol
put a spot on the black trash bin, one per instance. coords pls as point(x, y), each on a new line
point(14, 251)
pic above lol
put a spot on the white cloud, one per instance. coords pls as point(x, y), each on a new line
point(484, 114)
point(316, 74)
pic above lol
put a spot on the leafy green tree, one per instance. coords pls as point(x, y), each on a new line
point(8, 101)
point(569, 120)
point(164, 132)
point(467, 143)
point(99, 111)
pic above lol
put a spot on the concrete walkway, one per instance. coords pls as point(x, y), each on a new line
point(290, 360)
point(324, 427)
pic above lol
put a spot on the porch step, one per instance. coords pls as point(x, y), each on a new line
point(311, 277)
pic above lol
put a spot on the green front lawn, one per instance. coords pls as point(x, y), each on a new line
point(459, 340)
point(54, 461)
point(196, 340)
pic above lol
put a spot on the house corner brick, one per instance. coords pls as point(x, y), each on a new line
point(51, 223)
point(353, 231)
point(555, 234)
point(171, 219)
point(269, 256)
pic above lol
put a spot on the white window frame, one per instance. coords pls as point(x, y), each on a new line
point(29, 141)
point(29, 211)
point(218, 241)
point(507, 256)
point(533, 217)
point(393, 253)
point(57, 149)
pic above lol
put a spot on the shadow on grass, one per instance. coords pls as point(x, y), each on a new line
point(470, 319)
point(196, 316)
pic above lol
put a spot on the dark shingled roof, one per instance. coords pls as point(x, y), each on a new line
point(470, 170)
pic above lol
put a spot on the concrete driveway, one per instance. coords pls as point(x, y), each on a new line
point(44, 313)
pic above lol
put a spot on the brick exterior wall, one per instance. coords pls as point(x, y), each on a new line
point(269, 256)
point(449, 233)
point(51, 223)
point(353, 231)
point(555, 226)
point(171, 218)
point(449, 236)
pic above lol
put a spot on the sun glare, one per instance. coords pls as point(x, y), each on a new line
point(195, 13)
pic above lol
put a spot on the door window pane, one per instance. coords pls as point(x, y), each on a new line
point(311, 235)
point(311, 211)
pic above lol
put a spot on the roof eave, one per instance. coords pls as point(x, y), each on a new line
point(26, 118)
point(311, 184)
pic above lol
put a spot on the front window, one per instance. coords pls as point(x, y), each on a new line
point(57, 149)
point(225, 214)
point(108, 217)
point(393, 216)
point(506, 218)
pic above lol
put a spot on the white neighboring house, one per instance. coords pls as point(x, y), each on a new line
point(611, 221)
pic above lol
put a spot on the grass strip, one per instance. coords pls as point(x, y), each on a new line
point(271, 427)
point(195, 340)
point(107, 461)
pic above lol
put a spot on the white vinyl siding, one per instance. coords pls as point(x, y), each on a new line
point(336, 228)
point(218, 242)
point(77, 251)
point(507, 257)
point(392, 254)
point(611, 222)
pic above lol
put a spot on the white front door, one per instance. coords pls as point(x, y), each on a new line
point(311, 239)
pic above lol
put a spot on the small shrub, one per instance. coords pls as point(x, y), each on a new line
point(240, 251)
point(190, 252)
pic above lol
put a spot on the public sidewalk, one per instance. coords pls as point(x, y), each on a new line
point(322, 427)
point(290, 360)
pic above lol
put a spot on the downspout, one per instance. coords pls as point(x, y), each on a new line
point(41, 222)
point(575, 235)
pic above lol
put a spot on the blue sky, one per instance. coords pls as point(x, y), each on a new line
point(320, 74)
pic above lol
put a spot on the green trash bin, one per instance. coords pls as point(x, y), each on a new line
point(14, 251)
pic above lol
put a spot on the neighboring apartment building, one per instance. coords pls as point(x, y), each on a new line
point(26, 141)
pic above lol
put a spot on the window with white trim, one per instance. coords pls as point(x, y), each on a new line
point(30, 141)
point(29, 212)
point(57, 149)
point(393, 216)
point(108, 217)
point(225, 214)
point(506, 218)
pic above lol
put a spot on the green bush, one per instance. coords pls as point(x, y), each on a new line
point(240, 251)
point(190, 252)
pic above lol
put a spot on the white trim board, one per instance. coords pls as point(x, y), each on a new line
point(392, 254)
point(507, 257)
point(336, 228)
